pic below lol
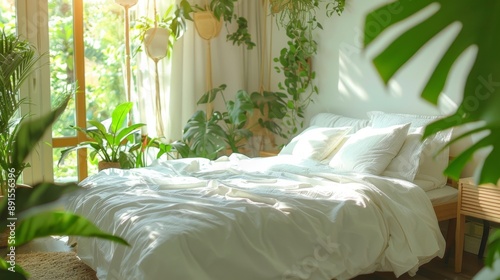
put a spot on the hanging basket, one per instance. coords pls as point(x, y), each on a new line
point(207, 25)
point(156, 42)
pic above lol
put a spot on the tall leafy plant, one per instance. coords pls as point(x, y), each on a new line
point(480, 23)
point(31, 221)
point(17, 61)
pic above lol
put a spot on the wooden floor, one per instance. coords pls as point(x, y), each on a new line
point(437, 269)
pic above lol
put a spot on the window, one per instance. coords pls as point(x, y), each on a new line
point(86, 49)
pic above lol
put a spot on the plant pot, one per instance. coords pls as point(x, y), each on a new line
point(156, 42)
point(207, 25)
point(106, 164)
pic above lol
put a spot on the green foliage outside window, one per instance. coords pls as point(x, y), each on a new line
point(104, 56)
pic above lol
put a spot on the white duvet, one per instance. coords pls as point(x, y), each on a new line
point(261, 218)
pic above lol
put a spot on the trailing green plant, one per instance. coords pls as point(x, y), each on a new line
point(23, 211)
point(110, 140)
point(208, 135)
point(479, 21)
point(298, 18)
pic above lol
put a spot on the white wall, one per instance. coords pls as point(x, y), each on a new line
point(348, 82)
point(350, 85)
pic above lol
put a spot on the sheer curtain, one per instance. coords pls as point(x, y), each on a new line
point(183, 76)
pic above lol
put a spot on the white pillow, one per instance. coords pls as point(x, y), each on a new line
point(405, 164)
point(333, 120)
point(370, 149)
point(315, 142)
point(417, 160)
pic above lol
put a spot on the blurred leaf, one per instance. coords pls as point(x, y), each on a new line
point(30, 132)
point(18, 274)
point(39, 194)
point(480, 22)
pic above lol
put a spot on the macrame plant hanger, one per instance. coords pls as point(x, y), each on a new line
point(263, 84)
point(208, 27)
point(156, 41)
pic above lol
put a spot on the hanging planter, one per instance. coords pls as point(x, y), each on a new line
point(278, 5)
point(156, 42)
point(207, 25)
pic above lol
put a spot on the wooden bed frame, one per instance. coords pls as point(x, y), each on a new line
point(448, 212)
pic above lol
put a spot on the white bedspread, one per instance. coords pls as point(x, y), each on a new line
point(262, 218)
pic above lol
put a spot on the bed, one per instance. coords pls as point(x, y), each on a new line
point(311, 212)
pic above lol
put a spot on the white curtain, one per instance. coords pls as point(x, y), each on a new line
point(183, 77)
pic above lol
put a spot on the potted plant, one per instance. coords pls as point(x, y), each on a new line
point(110, 140)
point(216, 11)
point(17, 61)
point(208, 135)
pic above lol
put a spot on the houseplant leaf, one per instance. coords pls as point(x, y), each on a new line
point(119, 116)
point(238, 109)
point(18, 274)
point(123, 133)
point(210, 95)
point(481, 98)
point(204, 136)
point(30, 132)
point(59, 223)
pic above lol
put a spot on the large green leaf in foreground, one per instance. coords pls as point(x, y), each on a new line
point(480, 26)
point(59, 223)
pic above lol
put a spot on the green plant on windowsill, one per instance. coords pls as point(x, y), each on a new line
point(208, 136)
point(109, 140)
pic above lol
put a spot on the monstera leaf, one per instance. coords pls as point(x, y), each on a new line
point(480, 27)
point(204, 135)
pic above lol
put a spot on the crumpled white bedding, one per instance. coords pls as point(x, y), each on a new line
point(260, 218)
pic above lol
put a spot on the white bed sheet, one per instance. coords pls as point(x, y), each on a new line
point(445, 194)
point(261, 218)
